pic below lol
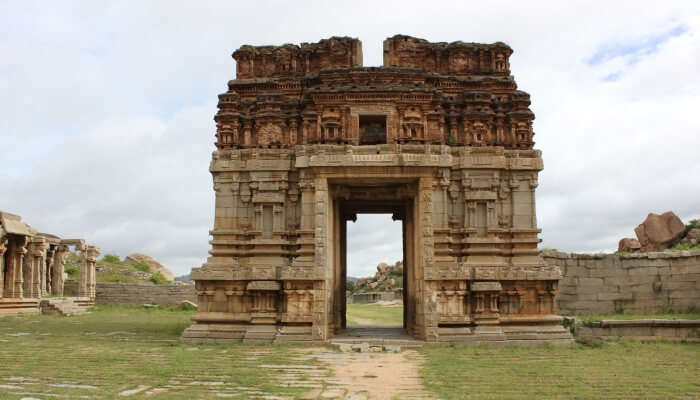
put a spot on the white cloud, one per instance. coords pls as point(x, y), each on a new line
point(106, 110)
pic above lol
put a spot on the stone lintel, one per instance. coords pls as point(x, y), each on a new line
point(264, 285)
point(486, 286)
point(212, 273)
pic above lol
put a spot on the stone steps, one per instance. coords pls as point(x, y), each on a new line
point(65, 306)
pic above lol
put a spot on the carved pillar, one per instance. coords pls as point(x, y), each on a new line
point(37, 258)
point(246, 133)
point(444, 184)
point(59, 262)
point(48, 271)
point(82, 289)
point(3, 248)
point(235, 132)
point(293, 132)
point(319, 136)
point(453, 129)
point(323, 291)
point(431, 314)
point(90, 260)
point(18, 266)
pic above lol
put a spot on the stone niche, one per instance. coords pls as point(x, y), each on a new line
point(440, 137)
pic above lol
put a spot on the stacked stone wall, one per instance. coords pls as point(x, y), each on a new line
point(633, 283)
point(131, 293)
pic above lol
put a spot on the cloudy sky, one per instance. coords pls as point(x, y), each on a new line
point(106, 110)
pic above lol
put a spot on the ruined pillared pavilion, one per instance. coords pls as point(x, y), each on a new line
point(32, 268)
point(439, 136)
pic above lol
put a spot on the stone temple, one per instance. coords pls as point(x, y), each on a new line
point(439, 136)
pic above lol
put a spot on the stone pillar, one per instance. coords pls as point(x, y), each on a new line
point(92, 253)
point(18, 266)
point(3, 248)
point(37, 263)
point(59, 262)
point(48, 273)
point(429, 307)
point(322, 290)
point(83, 286)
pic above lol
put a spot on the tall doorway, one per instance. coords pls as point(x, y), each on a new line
point(395, 201)
point(374, 264)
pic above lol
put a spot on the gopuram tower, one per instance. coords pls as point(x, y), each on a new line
point(440, 137)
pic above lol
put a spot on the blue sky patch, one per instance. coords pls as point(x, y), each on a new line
point(634, 51)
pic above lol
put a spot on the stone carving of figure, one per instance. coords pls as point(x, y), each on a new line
point(500, 62)
point(269, 134)
point(459, 62)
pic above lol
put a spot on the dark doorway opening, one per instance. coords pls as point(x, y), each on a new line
point(372, 129)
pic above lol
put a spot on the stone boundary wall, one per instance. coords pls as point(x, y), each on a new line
point(373, 297)
point(132, 293)
point(632, 283)
point(70, 288)
point(644, 329)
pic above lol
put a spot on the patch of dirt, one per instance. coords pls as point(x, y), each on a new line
point(375, 376)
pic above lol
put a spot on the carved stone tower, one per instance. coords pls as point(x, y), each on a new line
point(439, 136)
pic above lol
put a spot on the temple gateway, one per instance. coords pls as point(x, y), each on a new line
point(439, 136)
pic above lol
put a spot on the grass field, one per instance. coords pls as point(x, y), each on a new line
point(116, 349)
point(373, 314)
point(613, 370)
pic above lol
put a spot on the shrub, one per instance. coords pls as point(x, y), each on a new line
point(73, 258)
point(142, 266)
point(111, 258)
point(395, 273)
point(71, 270)
point(158, 279)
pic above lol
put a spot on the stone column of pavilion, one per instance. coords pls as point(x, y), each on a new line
point(83, 283)
point(20, 250)
point(36, 263)
point(48, 271)
point(59, 263)
point(92, 253)
point(3, 249)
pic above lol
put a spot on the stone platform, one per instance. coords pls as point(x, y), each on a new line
point(643, 329)
point(16, 306)
point(536, 334)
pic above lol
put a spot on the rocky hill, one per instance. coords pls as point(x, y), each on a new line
point(135, 268)
point(387, 278)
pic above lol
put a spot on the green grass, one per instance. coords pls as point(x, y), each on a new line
point(119, 271)
point(614, 370)
point(119, 348)
point(373, 314)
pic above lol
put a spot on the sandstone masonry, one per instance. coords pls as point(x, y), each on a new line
point(440, 137)
point(637, 283)
point(135, 294)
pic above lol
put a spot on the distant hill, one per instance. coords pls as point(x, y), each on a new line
point(387, 278)
point(353, 279)
point(135, 268)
